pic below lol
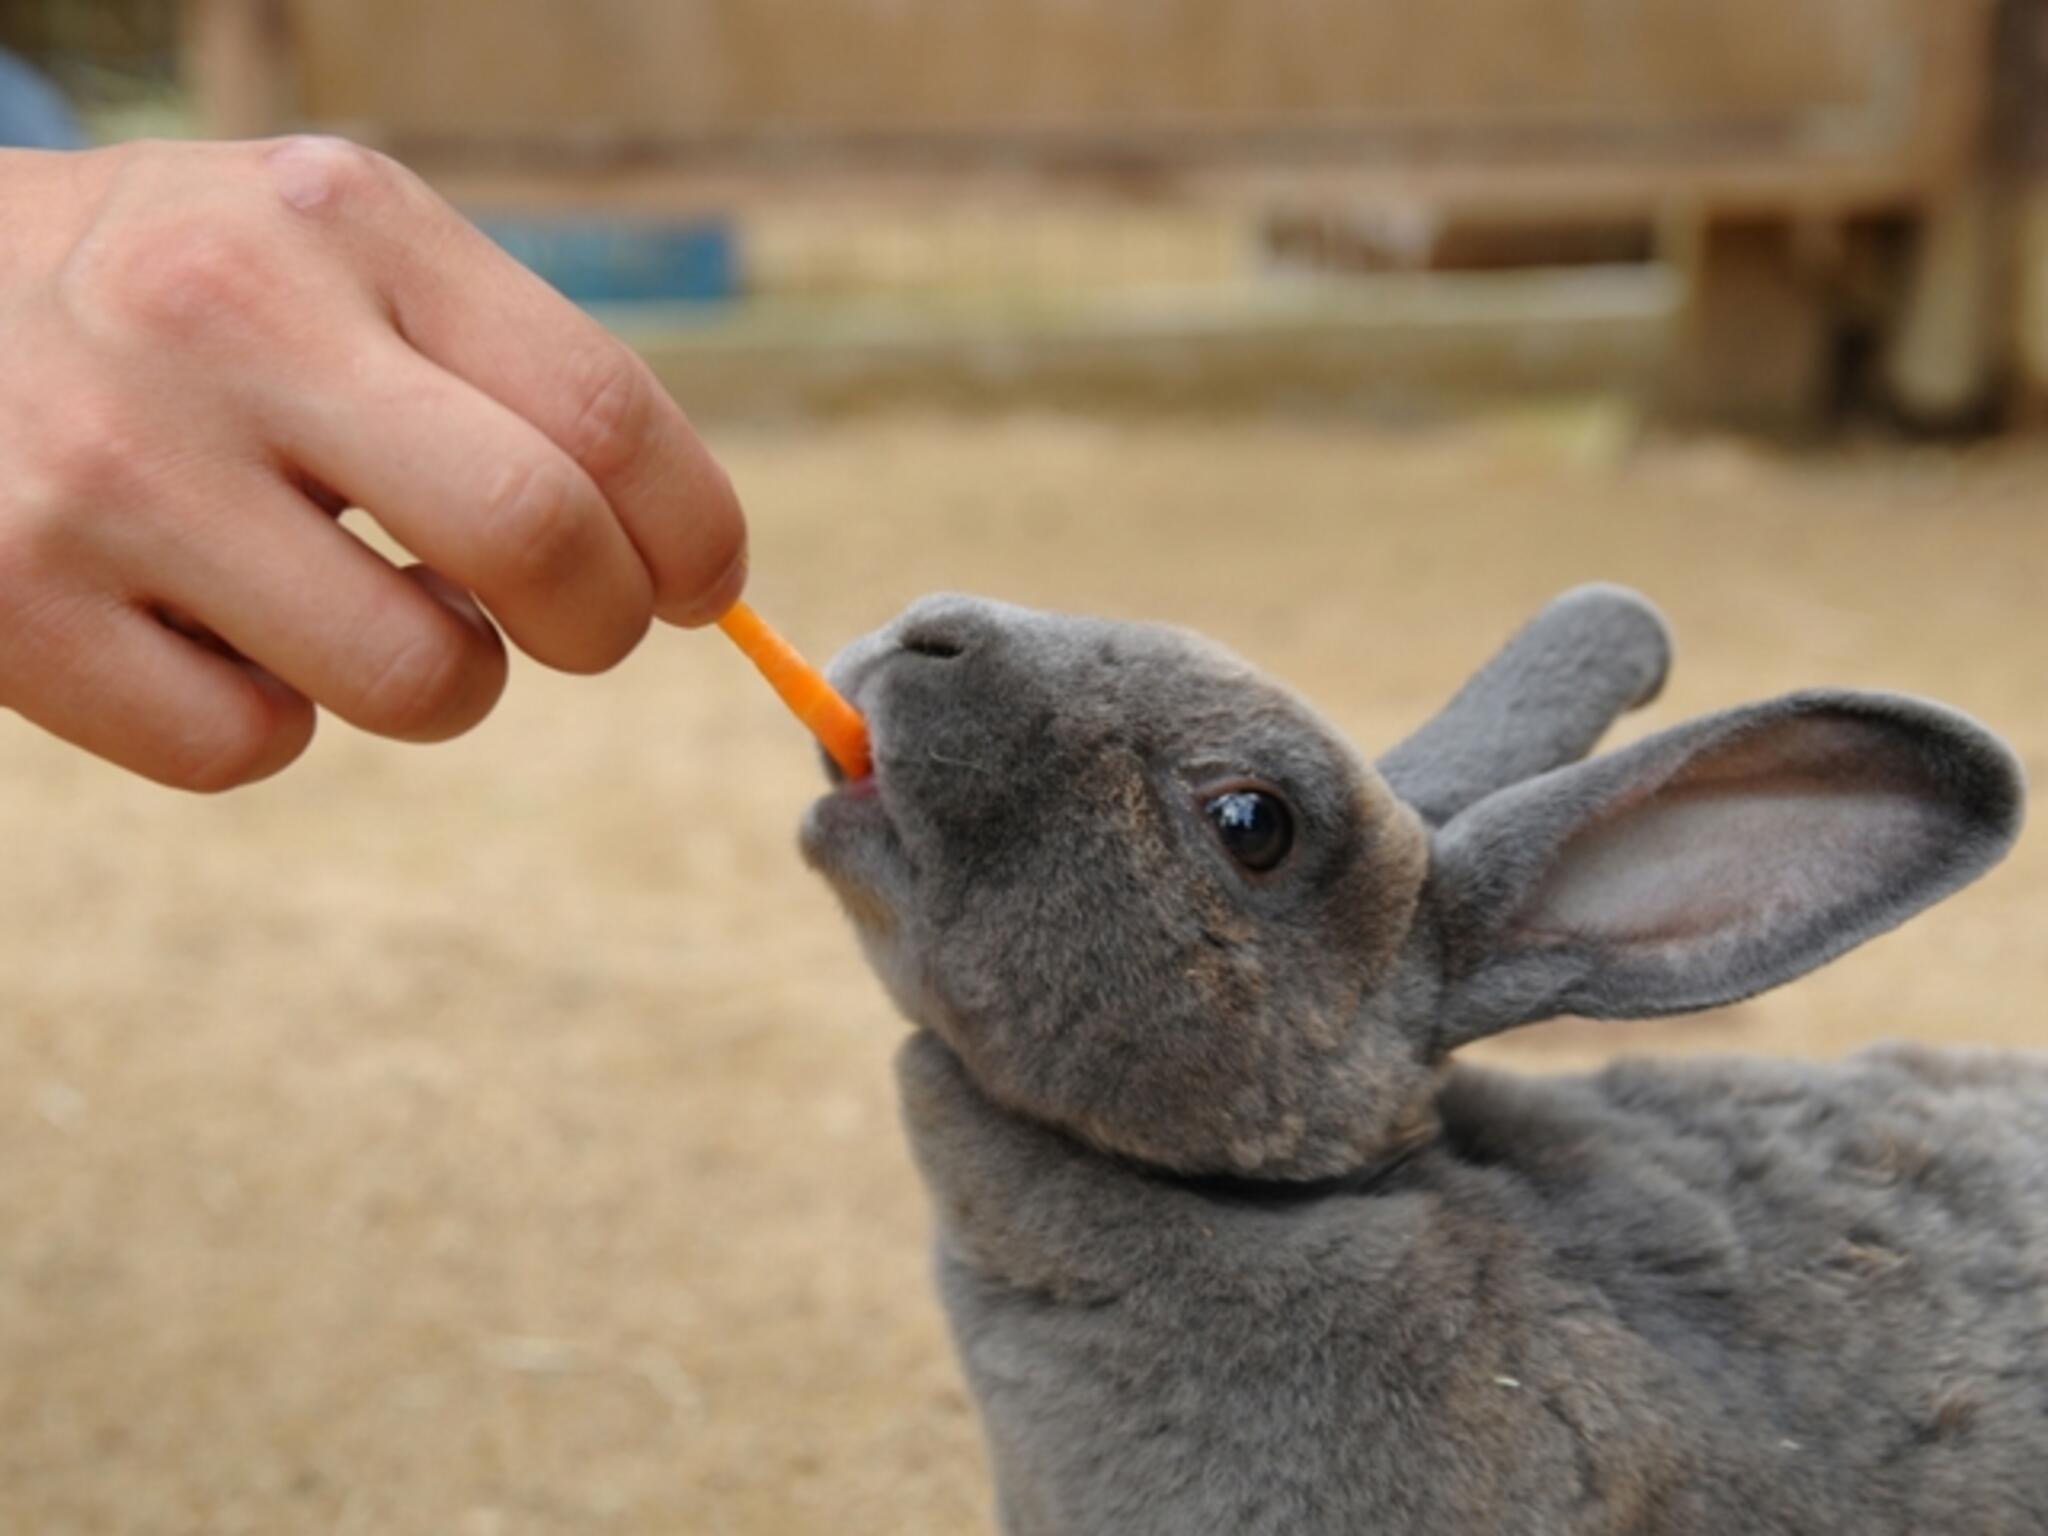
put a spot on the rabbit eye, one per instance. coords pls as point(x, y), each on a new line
point(1256, 827)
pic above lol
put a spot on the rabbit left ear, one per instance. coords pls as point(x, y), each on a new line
point(1713, 860)
point(1542, 701)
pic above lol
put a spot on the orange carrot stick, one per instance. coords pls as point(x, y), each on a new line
point(803, 688)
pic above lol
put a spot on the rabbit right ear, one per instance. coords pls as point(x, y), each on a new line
point(1713, 860)
point(1542, 701)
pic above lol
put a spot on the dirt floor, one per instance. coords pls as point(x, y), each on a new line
point(499, 1138)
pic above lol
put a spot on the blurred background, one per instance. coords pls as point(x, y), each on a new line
point(500, 1138)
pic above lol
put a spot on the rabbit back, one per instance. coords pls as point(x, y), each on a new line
point(1669, 1298)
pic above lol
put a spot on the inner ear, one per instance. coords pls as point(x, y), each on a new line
point(1714, 860)
point(1747, 836)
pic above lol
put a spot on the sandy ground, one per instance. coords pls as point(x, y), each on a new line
point(499, 1138)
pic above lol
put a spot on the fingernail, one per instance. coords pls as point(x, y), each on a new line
point(456, 599)
point(713, 601)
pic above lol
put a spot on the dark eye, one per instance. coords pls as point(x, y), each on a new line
point(1256, 827)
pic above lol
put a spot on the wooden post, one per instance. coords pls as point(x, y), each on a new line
point(1754, 342)
point(238, 63)
point(1946, 348)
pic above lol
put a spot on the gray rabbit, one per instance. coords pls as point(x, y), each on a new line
point(1228, 1240)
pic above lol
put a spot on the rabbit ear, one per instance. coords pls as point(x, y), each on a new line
point(1713, 860)
point(1542, 701)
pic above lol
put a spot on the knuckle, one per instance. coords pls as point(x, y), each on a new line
point(28, 588)
point(179, 279)
point(614, 397)
point(325, 176)
point(18, 566)
point(85, 459)
point(415, 687)
point(538, 524)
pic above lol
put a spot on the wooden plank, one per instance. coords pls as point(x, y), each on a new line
point(237, 63)
point(1478, 192)
point(666, 70)
point(1475, 113)
point(1399, 345)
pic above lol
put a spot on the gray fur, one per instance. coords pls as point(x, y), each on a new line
point(1230, 1245)
point(1543, 701)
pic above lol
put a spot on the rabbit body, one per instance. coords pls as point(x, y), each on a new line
point(1232, 1243)
point(1671, 1298)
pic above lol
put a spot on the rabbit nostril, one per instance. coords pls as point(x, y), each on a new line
point(938, 647)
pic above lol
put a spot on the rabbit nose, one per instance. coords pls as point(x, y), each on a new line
point(934, 643)
point(943, 630)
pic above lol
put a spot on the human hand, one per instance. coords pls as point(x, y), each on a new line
point(210, 350)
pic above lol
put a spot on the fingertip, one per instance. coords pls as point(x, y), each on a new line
point(712, 570)
point(291, 724)
point(477, 679)
point(263, 725)
point(458, 600)
point(601, 653)
point(712, 601)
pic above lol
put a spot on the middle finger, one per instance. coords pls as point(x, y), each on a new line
point(482, 497)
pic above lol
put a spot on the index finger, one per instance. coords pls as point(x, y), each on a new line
point(465, 304)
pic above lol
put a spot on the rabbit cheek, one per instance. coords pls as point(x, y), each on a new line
point(903, 975)
point(1382, 886)
point(849, 840)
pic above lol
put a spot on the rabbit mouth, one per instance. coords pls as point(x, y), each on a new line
point(841, 783)
point(850, 836)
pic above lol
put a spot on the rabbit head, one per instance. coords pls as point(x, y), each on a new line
point(1148, 896)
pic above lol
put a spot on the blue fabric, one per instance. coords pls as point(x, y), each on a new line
point(32, 114)
point(598, 260)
